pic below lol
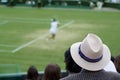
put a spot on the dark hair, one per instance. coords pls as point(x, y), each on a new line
point(52, 72)
point(32, 73)
point(53, 19)
point(71, 66)
point(117, 63)
point(112, 59)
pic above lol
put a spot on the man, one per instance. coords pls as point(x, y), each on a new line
point(92, 55)
point(99, 4)
point(71, 66)
point(53, 29)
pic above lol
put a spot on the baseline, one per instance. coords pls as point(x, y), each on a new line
point(4, 45)
point(5, 51)
point(4, 22)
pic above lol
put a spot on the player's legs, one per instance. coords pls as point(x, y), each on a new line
point(53, 36)
point(53, 33)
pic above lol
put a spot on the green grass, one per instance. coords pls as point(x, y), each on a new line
point(19, 26)
point(9, 68)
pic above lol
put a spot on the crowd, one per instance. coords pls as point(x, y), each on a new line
point(89, 59)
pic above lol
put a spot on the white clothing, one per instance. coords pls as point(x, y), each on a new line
point(54, 26)
point(110, 67)
point(92, 4)
point(99, 5)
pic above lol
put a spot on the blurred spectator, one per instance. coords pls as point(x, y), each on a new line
point(91, 4)
point(30, 2)
point(11, 3)
point(99, 4)
point(32, 73)
point(52, 72)
point(49, 2)
point(64, 3)
point(79, 3)
point(111, 66)
point(117, 63)
point(92, 55)
point(39, 3)
point(71, 66)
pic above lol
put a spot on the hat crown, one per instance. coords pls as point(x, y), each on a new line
point(92, 46)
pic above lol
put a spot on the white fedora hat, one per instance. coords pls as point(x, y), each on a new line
point(91, 54)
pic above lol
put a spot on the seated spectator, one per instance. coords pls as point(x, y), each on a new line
point(32, 73)
point(117, 63)
point(110, 67)
point(52, 72)
point(71, 66)
point(92, 55)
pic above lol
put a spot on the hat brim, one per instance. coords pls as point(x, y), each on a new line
point(89, 65)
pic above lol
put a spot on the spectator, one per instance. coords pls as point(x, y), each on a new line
point(92, 55)
point(52, 72)
point(91, 4)
point(11, 3)
point(99, 4)
point(110, 67)
point(39, 3)
point(49, 2)
point(32, 73)
point(71, 66)
point(117, 63)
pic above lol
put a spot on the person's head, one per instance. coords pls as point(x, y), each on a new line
point(32, 73)
point(117, 63)
point(53, 20)
point(91, 54)
point(71, 66)
point(52, 72)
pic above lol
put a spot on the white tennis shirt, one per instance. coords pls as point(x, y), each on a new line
point(54, 26)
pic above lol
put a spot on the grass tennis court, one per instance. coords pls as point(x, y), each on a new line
point(24, 32)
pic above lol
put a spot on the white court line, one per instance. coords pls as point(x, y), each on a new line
point(31, 42)
point(38, 22)
point(27, 19)
point(19, 18)
point(4, 22)
point(67, 24)
point(5, 50)
point(4, 45)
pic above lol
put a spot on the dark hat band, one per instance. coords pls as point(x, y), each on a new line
point(88, 59)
